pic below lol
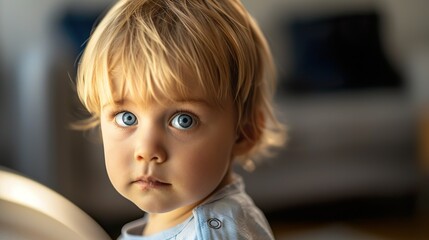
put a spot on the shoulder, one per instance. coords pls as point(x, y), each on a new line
point(231, 214)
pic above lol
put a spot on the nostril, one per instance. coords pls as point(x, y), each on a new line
point(158, 159)
point(157, 155)
point(154, 158)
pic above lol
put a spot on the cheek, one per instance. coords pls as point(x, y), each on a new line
point(113, 167)
point(204, 165)
point(115, 156)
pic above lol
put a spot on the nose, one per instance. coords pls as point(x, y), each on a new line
point(150, 146)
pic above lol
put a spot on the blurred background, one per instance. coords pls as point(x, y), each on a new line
point(353, 91)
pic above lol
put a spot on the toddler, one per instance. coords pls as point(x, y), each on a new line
point(181, 89)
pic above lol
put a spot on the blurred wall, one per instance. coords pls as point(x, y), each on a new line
point(404, 28)
point(25, 22)
point(33, 52)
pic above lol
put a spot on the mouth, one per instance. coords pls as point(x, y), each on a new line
point(150, 183)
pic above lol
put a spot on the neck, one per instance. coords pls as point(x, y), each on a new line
point(158, 222)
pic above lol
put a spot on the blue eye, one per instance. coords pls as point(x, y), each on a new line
point(125, 119)
point(183, 121)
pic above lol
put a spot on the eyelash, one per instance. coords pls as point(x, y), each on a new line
point(114, 113)
point(185, 111)
point(113, 117)
point(180, 111)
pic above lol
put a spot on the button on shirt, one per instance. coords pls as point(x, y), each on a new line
point(228, 214)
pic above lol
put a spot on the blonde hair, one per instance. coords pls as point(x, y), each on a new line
point(170, 47)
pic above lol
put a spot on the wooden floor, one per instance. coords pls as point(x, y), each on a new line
point(405, 228)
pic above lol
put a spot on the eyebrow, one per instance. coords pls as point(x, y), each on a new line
point(114, 103)
point(196, 101)
point(124, 101)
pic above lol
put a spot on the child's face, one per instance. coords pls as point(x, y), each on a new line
point(167, 156)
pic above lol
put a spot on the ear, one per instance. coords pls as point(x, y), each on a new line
point(248, 137)
point(242, 146)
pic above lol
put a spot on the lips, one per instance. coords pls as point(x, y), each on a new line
point(149, 182)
